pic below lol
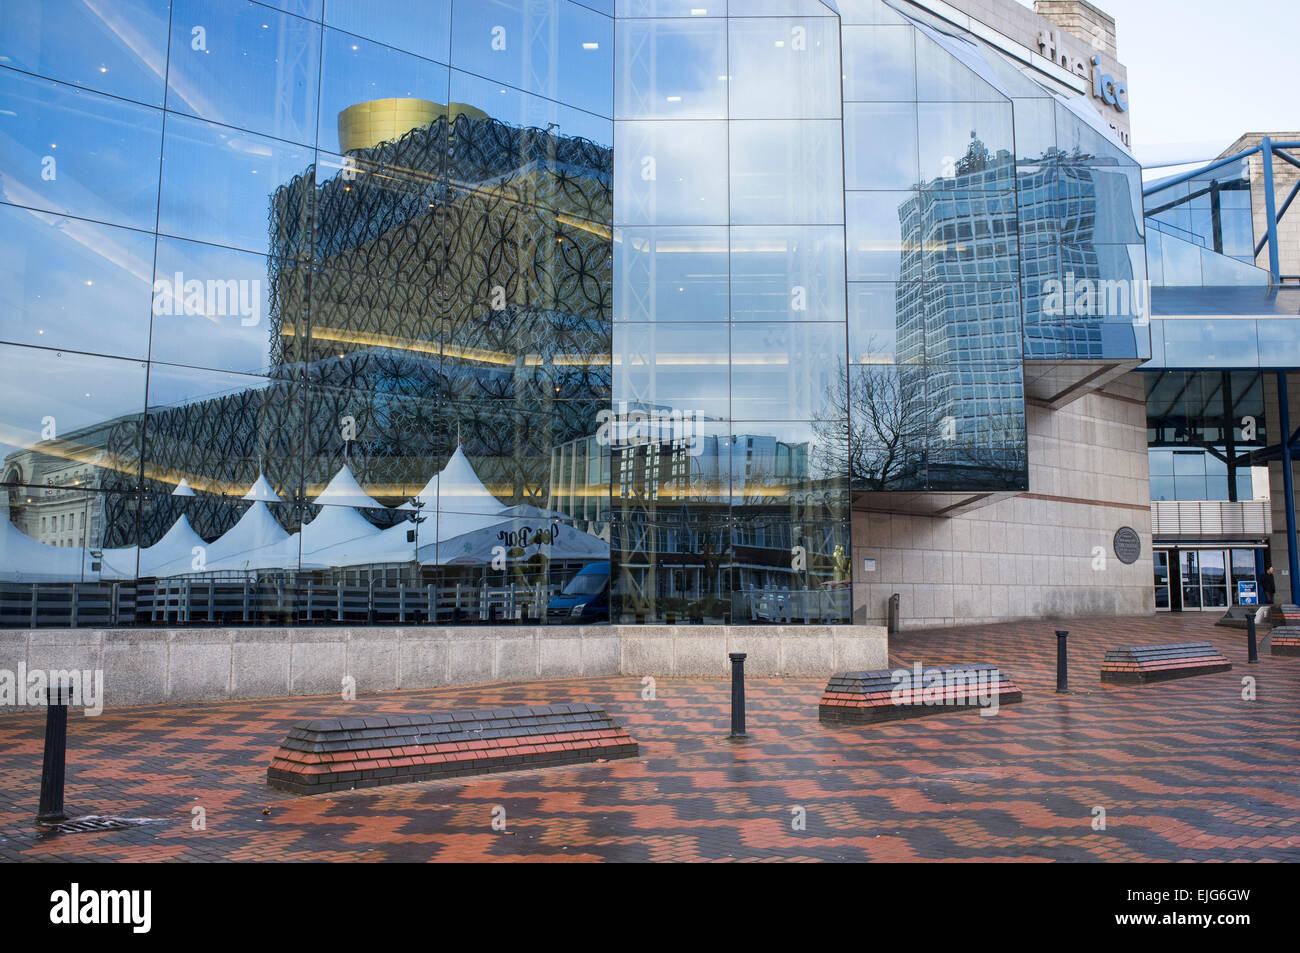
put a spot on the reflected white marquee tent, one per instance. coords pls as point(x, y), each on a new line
point(460, 523)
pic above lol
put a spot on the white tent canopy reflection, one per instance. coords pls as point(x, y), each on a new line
point(460, 523)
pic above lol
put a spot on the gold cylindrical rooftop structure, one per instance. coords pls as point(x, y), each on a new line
point(382, 120)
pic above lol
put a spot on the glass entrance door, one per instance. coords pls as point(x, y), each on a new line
point(1214, 579)
point(1161, 561)
point(1189, 570)
point(1243, 570)
point(1206, 578)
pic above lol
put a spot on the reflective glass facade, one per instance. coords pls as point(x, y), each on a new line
point(333, 310)
point(1199, 426)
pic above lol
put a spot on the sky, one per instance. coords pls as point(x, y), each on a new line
point(1202, 72)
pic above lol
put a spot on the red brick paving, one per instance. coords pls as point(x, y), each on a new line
point(1185, 770)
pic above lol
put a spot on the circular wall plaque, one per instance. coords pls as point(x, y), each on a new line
point(1128, 545)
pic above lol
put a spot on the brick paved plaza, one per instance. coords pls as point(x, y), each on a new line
point(1185, 770)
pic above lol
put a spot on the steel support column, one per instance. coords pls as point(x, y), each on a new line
point(1288, 487)
point(1270, 211)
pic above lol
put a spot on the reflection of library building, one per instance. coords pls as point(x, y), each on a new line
point(544, 311)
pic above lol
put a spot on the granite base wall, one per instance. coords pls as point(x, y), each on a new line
point(150, 666)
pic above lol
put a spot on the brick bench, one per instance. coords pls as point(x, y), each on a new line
point(333, 754)
point(1285, 640)
point(860, 698)
point(1283, 615)
point(1140, 664)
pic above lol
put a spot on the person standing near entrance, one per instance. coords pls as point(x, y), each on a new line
point(1268, 586)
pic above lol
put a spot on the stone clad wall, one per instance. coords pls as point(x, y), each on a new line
point(1031, 556)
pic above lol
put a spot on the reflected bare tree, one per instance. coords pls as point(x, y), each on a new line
point(885, 409)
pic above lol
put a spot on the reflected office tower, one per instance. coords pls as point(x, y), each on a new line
point(958, 310)
point(445, 285)
point(1078, 223)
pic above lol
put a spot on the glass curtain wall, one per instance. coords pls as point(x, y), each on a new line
point(1201, 428)
point(729, 496)
point(936, 393)
point(302, 304)
point(357, 310)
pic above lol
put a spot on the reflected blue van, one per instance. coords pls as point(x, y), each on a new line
point(585, 598)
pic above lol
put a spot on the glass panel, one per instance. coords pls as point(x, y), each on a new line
point(372, 94)
point(66, 535)
point(677, 367)
point(218, 184)
point(1035, 121)
point(670, 8)
point(1105, 201)
point(244, 474)
point(671, 566)
point(879, 63)
point(670, 173)
point(517, 108)
point(1216, 479)
point(119, 49)
point(776, 8)
point(880, 149)
point(1155, 259)
point(784, 68)
point(558, 50)
point(1181, 262)
point(888, 423)
point(244, 65)
point(966, 145)
point(798, 467)
point(1161, 566)
point(1080, 137)
point(70, 419)
point(1189, 566)
point(882, 228)
point(875, 310)
point(214, 307)
point(68, 283)
point(786, 171)
point(672, 69)
point(1214, 584)
point(671, 274)
point(963, 321)
point(74, 152)
point(1279, 338)
point(787, 273)
point(1243, 570)
point(942, 77)
point(1224, 343)
point(867, 11)
point(1238, 235)
point(311, 9)
point(785, 371)
point(976, 430)
point(968, 235)
point(422, 29)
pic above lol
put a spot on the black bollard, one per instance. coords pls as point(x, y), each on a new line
point(737, 694)
point(1062, 666)
point(1252, 652)
point(56, 750)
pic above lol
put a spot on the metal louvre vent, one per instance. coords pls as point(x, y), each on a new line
point(88, 825)
point(93, 823)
